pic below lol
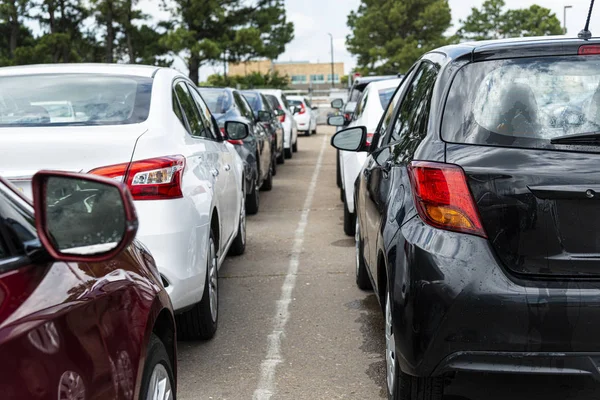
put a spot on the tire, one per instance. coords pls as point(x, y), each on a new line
point(342, 196)
point(200, 322)
point(158, 370)
point(288, 153)
point(362, 276)
point(281, 158)
point(274, 163)
point(295, 146)
point(404, 386)
point(268, 182)
point(253, 200)
point(307, 133)
point(238, 247)
point(338, 173)
point(349, 221)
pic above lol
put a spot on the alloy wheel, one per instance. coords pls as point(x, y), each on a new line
point(390, 346)
point(160, 384)
point(213, 280)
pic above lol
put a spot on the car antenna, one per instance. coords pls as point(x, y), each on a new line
point(585, 33)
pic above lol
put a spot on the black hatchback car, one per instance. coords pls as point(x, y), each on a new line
point(478, 213)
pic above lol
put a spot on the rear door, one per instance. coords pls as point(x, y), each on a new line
point(538, 200)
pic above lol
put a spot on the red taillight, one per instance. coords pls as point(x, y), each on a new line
point(443, 199)
point(222, 129)
point(302, 109)
point(235, 141)
point(369, 138)
point(589, 49)
point(282, 118)
point(152, 179)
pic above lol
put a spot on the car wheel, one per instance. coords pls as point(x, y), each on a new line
point(342, 199)
point(238, 247)
point(268, 182)
point(274, 163)
point(157, 378)
point(295, 146)
point(349, 221)
point(288, 153)
point(252, 199)
point(402, 386)
point(307, 133)
point(338, 173)
point(200, 322)
point(362, 278)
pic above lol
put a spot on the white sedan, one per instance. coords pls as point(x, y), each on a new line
point(369, 110)
point(150, 128)
point(305, 114)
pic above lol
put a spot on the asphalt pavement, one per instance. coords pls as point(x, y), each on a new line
point(293, 325)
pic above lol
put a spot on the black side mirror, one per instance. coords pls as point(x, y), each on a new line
point(264, 116)
point(315, 108)
point(337, 104)
point(351, 139)
point(294, 110)
point(236, 130)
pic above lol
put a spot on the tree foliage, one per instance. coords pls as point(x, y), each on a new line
point(254, 80)
point(388, 36)
point(492, 21)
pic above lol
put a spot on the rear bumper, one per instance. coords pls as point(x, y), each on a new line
point(456, 308)
point(177, 236)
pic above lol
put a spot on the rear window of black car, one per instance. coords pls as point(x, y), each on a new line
point(523, 102)
point(74, 99)
point(218, 101)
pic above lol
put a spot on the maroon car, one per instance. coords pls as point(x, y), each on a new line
point(83, 313)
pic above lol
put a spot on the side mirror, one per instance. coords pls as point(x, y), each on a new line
point(264, 116)
point(295, 110)
point(315, 108)
point(337, 104)
point(236, 130)
point(351, 139)
point(336, 120)
point(82, 218)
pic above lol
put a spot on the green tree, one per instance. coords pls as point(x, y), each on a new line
point(389, 35)
point(12, 12)
point(254, 80)
point(491, 21)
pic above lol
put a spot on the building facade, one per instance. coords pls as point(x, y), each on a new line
point(303, 75)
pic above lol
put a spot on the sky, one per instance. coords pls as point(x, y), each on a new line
point(314, 19)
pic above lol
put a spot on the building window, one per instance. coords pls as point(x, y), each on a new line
point(317, 78)
point(336, 78)
point(298, 79)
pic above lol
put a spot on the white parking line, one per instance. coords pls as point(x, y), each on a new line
point(266, 388)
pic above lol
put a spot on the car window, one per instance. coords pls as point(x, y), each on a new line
point(253, 100)
point(189, 109)
point(285, 101)
point(410, 126)
point(307, 102)
point(243, 106)
point(17, 225)
point(385, 96)
point(266, 104)
point(362, 104)
point(218, 101)
point(386, 119)
point(205, 115)
point(274, 102)
point(177, 110)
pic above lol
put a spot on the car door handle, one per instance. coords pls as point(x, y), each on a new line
point(214, 172)
point(227, 167)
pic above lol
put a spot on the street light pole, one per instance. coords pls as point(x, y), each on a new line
point(332, 74)
point(565, 17)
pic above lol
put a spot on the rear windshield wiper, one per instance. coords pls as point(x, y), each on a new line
point(583, 138)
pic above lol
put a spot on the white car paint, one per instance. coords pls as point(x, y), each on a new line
point(290, 127)
point(368, 113)
point(306, 122)
point(176, 231)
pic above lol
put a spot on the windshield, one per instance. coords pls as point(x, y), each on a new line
point(385, 96)
point(74, 99)
point(294, 102)
point(217, 100)
point(523, 102)
point(254, 100)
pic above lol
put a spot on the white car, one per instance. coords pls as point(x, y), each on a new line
point(368, 112)
point(290, 128)
point(148, 127)
point(306, 115)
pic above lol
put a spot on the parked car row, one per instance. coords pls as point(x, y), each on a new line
point(476, 212)
point(148, 155)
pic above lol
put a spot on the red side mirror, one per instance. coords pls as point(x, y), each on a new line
point(82, 218)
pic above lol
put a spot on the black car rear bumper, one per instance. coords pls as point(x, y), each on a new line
point(457, 308)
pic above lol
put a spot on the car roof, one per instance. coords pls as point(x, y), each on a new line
point(110, 69)
point(516, 47)
point(373, 78)
point(295, 97)
point(385, 84)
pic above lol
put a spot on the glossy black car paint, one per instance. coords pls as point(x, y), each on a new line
point(259, 102)
point(458, 303)
point(256, 150)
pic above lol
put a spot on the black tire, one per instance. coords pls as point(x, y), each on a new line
point(281, 157)
point(274, 163)
point(307, 133)
point(198, 323)
point(338, 173)
point(362, 276)
point(268, 182)
point(342, 196)
point(156, 355)
point(349, 221)
point(238, 247)
point(252, 200)
point(288, 153)
point(314, 131)
point(295, 146)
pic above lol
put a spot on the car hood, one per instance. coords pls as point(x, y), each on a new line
point(78, 149)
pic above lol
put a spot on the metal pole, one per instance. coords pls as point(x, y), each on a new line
point(332, 69)
point(565, 18)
